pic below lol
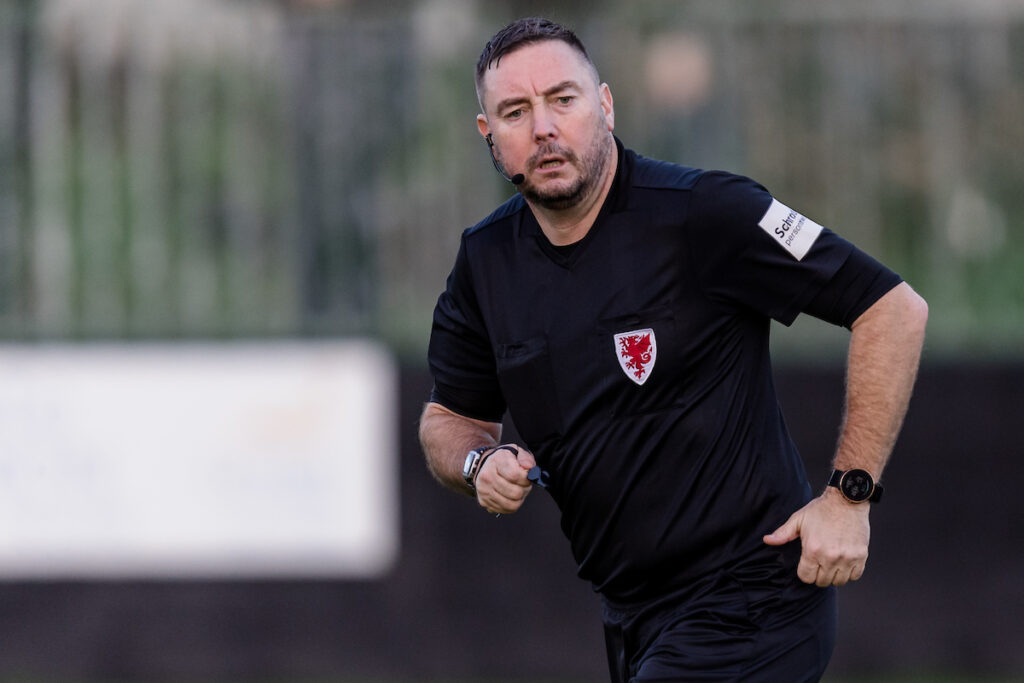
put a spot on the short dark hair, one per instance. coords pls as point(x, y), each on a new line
point(523, 32)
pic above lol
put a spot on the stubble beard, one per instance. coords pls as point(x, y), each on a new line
point(591, 168)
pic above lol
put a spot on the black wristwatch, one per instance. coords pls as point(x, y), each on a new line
point(857, 486)
point(472, 465)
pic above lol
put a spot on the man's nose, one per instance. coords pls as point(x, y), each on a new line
point(544, 124)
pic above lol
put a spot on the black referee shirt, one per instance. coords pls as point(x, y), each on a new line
point(635, 366)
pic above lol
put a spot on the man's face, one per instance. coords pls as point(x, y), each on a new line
point(550, 120)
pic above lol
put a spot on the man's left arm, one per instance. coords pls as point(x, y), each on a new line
point(885, 350)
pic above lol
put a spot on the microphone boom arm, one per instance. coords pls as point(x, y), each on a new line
point(517, 179)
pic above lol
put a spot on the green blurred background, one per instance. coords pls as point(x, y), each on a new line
point(234, 169)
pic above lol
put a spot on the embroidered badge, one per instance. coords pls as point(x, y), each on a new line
point(636, 351)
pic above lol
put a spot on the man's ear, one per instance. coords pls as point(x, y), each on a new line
point(608, 106)
point(481, 125)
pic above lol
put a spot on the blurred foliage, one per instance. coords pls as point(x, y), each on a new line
point(227, 169)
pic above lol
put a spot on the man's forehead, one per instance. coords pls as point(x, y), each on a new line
point(537, 66)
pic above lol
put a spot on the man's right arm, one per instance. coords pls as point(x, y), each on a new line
point(447, 437)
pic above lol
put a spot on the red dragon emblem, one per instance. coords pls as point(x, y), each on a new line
point(636, 351)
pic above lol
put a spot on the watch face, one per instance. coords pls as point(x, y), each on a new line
point(472, 463)
point(467, 467)
point(857, 485)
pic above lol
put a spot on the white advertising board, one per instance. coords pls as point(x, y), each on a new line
point(196, 460)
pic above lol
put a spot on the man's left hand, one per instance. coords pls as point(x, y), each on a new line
point(834, 536)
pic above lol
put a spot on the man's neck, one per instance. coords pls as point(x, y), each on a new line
point(571, 225)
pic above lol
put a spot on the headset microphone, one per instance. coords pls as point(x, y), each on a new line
point(517, 179)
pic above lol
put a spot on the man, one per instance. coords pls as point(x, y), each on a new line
point(618, 308)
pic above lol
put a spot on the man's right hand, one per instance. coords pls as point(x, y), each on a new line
point(501, 484)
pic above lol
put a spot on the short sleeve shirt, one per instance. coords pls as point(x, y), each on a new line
point(636, 367)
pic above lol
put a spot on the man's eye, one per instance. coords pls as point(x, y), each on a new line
point(514, 114)
point(565, 99)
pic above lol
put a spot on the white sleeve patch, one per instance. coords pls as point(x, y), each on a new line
point(793, 231)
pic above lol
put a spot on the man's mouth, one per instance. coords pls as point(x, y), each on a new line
point(551, 158)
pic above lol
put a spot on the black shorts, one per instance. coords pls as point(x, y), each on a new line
point(726, 630)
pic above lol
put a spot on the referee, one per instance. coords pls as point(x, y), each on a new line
point(618, 308)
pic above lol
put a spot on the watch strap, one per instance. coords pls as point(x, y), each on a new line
point(876, 494)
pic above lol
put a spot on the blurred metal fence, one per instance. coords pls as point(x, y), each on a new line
point(217, 168)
